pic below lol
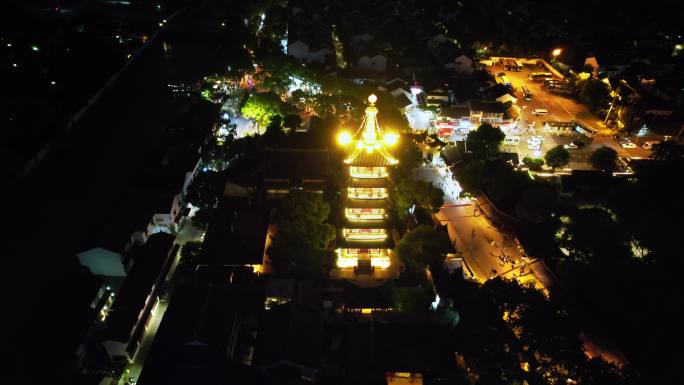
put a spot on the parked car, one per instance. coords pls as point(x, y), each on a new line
point(647, 145)
point(512, 140)
point(540, 111)
point(628, 145)
point(569, 145)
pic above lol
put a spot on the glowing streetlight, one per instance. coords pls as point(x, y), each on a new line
point(555, 53)
point(344, 138)
point(390, 138)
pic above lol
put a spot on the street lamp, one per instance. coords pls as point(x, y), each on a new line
point(555, 54)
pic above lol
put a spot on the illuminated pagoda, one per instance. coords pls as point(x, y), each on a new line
point(364, 238)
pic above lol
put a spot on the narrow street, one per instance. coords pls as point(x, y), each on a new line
point(488, 250)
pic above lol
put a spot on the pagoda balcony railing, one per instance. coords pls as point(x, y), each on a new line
point(361, 214)
point(365, 234)
point(368, 172)
point(367, 193)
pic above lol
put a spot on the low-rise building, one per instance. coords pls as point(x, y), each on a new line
point(285, 169)
point(309, 36)
point(133, 305)
point(482, 111)
point(437, 97)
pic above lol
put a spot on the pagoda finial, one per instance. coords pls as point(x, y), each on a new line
point(368, 138)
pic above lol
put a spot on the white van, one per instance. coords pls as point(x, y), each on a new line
point(540, 111)
point(512, 140)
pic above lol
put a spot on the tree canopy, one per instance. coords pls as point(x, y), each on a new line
point(534, 164)
point(592, 235)
point(300, 246)
point(594, 93)
point(422, 247)
point(204, 193)
point(535, 205)
point(604, 158)
point(422, 193)
point(263, 106)
point(484, 142)
point(667, 151)
point(557, 157)
point(472, 176)
point(408, 154)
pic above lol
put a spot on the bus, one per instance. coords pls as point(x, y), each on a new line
point(540, 76)
point(512, 65)
point(518, 65)
point(586, 131)
point(504, 80)
point(526, 93)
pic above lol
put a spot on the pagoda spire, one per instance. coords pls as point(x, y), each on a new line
point(368, 138)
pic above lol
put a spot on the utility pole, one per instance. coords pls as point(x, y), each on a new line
point(605, 121)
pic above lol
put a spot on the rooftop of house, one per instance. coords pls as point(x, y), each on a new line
point(454, 112)
point(496, 91)
point(487, 106)
point(312, 31)
point(148, 261)
point(292, 333)
point(295, 165)
point(236, 235)
point(193, 337)
point(402, 101)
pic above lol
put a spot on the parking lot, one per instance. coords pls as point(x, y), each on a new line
point(560, 109)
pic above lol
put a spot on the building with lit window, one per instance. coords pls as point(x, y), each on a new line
point(364, 238)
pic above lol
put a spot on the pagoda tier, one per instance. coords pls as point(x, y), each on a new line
point(367, 182)
point(353, 203)
point(386, 243)
point(364, 224)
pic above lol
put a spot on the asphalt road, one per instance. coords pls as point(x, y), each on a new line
point(74, 195)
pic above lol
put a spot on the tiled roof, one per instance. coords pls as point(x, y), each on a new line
point(486, 106)
point(374, 159)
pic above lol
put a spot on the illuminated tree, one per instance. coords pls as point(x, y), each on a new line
point(262, 107)
point(534, 164)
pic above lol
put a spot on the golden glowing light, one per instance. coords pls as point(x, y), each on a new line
point(344, 138)
point(372, 99)
point(556, 52)
point(390, 138)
